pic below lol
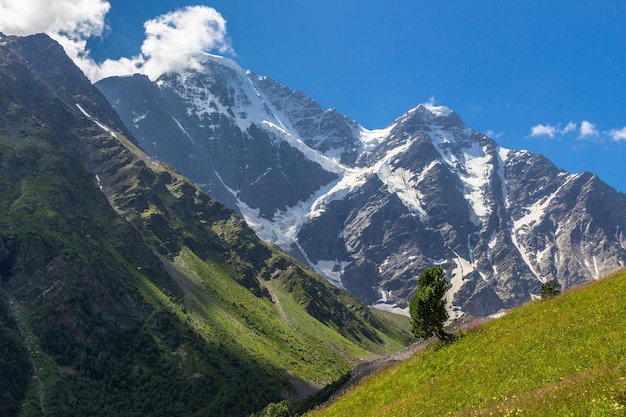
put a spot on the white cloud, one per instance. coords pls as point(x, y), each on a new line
point(76, 19)
point(174, 41)
point(179, 39)
point(69, 22)
point(570, 127)
point(588, 129)
point(552, 131)
point(618, 134)
point(543, 130)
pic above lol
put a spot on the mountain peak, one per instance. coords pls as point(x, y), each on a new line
point(437, 111)
point(371, 209)
point(222, 60)
point(426, 114)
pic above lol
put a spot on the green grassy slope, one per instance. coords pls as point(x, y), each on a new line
point(126, 291)
point(230, 280)
point(565, 356)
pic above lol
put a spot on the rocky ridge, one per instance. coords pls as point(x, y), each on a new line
point(370, 209)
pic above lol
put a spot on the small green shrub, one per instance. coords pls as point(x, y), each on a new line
point(550, 289)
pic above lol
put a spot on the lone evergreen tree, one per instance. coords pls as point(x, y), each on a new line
point(549, 289)
point(428, 307)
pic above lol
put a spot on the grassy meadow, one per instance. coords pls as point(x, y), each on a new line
point(560, 357)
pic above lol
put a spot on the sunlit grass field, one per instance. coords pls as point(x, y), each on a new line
point(561, 357)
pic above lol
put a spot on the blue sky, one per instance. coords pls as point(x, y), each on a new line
point(547, 76)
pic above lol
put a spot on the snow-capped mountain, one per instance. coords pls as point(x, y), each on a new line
point(371, 209)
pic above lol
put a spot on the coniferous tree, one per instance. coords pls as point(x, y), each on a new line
point(549, 289)
point(428, 306)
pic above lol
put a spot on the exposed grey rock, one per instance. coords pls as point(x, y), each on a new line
point(371, 209)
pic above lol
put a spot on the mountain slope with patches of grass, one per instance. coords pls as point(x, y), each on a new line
point(127, 291)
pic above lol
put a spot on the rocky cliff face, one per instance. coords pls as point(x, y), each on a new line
point(371, 209)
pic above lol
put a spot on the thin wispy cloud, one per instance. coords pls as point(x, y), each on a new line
point(570, 127)
point(493, 134)
point(174, 41)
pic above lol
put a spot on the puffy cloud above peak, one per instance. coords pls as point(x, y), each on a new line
point(179, 39)
point(174, 41)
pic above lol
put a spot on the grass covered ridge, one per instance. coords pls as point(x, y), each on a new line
point(564, 356)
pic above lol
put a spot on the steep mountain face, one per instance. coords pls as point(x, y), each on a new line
point(125, 290)
point(371, 209)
